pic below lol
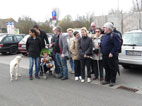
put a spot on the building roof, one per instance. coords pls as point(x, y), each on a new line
point(3, 22)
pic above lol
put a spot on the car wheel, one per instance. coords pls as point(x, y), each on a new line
point(13, 50)
point(126, 66)
point(4, 53)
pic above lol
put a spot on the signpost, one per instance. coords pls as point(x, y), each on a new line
point(11, 28)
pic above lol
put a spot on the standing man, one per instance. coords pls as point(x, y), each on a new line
point(92, 31)
point(69, 40)
point(109, 46)
point(64, 55)
point(43, 37)
point(93, 28)
point(57, 52)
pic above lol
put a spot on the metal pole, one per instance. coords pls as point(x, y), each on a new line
point(118, 5)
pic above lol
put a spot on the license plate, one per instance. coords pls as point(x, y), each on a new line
point(23, 46)
point(133, 53)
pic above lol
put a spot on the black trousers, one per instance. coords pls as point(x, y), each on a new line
point(85, 62)
point(98, 68)
point(92, 66)
point(77, 68)
point(111, 67)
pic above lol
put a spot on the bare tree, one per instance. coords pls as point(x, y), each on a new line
point(137, 7)
point(66, 23)
point(85, 20)
point(25, 23)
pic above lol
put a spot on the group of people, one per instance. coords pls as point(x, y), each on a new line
point(96, 49)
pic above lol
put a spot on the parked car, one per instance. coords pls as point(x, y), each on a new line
point(131, 55)
point(22, 44)
point(9, 43)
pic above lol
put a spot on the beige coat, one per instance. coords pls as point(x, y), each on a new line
point(74, 49)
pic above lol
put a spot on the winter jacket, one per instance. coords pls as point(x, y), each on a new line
point(96, 42)
point(110, 44)
point(64, 45)
point(92, 31)
point(34, 46)
point(55, 43)
point(43, 38)
point(74, 48)
point(85, 47)
point(69, 40)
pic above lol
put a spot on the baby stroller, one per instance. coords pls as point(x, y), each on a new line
point(46, 62)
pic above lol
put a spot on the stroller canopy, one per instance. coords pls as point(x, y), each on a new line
point(45, 50)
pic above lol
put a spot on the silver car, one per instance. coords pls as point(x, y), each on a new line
point(131, 55)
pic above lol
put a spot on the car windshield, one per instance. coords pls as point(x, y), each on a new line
point(132, 39)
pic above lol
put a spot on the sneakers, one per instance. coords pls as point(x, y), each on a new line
point(76, 78)
point(59, 77)
point(37, 77)
point(30, 77)
point(88, 79)
point(72, 72)
point(80, 77)
point(95, 78)
point(111, 84)
point(41, 74)
point(82, 80)
point(105, 82)
point(64, 78)
point(45, 76)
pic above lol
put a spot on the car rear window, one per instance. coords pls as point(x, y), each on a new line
point(1, 37)
point(132, 38)
point(19, 37)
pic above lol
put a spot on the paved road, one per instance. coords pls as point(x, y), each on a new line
point(128, 78)
point(54, 92)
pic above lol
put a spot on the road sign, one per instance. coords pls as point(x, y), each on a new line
point(54, 13)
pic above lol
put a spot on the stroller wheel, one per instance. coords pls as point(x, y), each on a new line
point(45, 76)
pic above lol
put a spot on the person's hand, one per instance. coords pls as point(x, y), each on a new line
point(110, 55)
point(85, 56)
point(62, 55)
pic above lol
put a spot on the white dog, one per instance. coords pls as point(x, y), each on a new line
point(14, 66)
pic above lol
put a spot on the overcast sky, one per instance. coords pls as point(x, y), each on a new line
point(40, 10)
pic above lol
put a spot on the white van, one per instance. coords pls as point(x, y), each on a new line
point(131, 55)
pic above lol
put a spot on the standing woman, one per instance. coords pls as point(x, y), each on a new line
point(97, 55)
point(74, 52)
point(33, 47)
point(85, 51)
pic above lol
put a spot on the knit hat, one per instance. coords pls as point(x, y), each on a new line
point(109, 25)
point(75, 33)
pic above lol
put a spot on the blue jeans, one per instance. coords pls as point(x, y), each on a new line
point(65, 68)
point(71, 64)
point(59, 67)
point(32, 61)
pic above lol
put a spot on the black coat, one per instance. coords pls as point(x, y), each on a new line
point(55, 42)
point(43, 38)
point(34, 47)
point(85, 47)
